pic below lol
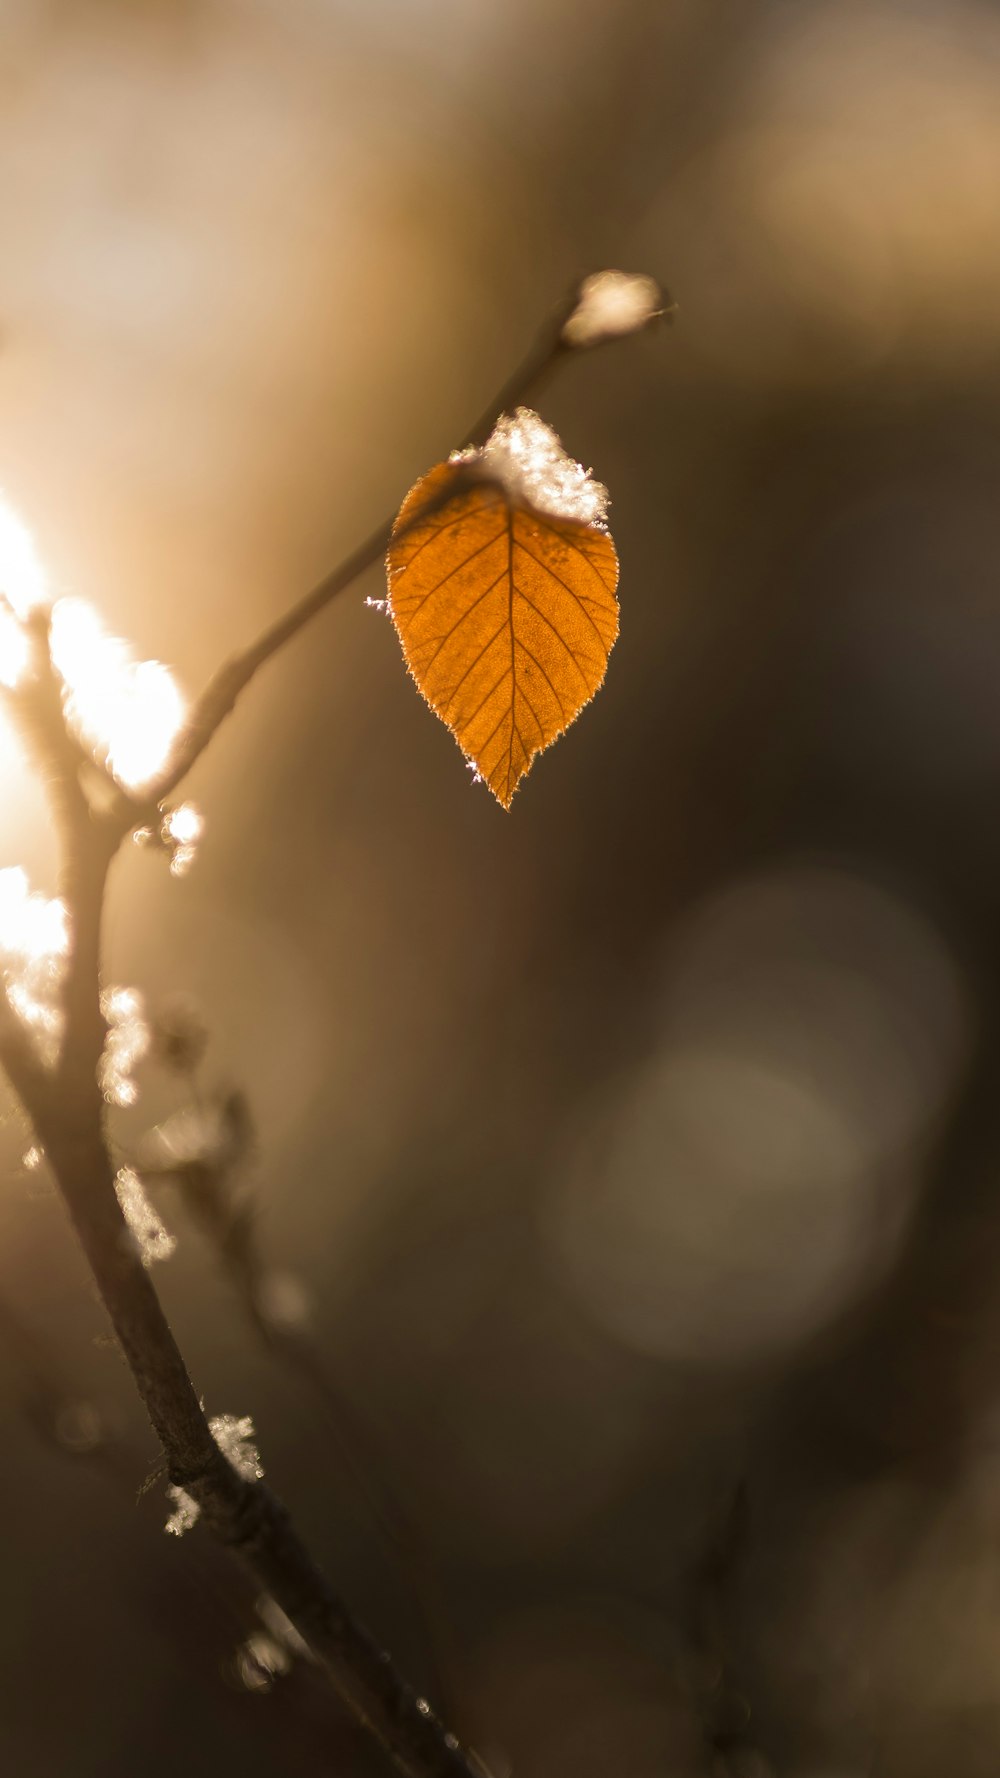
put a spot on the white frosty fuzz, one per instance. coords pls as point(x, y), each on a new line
point(127, 1041)
point(145, 1225)
point(611, 305)
point(527, 460)
point(234, 1435)
point(34, 943)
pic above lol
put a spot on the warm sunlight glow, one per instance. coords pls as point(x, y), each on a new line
point(22, 578)
point(34, 940)
point(32, 930)
point(129, 711)
point(127, 1041)
point(13, 648)
point(182, 831)
point(22, 588)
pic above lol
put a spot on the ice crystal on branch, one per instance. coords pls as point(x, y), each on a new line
point(34, 942)
point(127, 1041)
point(235, 1438)
point(234, 1435)
point(181, 831)
point(147, 1228)
point(526, 458)
point(186, 1512)
point(611, 305)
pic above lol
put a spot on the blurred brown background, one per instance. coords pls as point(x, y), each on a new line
point(638, 1151)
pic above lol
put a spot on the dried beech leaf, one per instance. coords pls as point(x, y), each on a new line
point(506, 614)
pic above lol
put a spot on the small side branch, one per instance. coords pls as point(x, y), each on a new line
point(220, 695)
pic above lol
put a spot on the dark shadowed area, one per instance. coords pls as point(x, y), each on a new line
point(628, 1164)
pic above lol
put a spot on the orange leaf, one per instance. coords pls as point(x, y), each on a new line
point(506, 613)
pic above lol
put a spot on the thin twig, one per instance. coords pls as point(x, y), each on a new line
point(219, 697)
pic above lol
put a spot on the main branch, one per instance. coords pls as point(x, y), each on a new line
point(67, 1111)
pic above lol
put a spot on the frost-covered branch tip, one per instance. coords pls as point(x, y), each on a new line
point(610, 306)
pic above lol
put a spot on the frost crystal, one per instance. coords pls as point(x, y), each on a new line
point(610, 305)
point(235, 1439)
point(181, 831)
point(129, 712)
point(186, 1512)
point(146, 1226)
point(126, 1043)
point(234, 1436)
point(34, 941)
point(526, 458)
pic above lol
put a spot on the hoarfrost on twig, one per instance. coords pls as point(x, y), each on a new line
point(126, 1043)
point(34, 943)
point(146, 1226)
point(186, 1512)
point(526, 458)
point(234, 1435)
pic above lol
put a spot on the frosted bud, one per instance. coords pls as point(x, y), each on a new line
point(611, 305)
